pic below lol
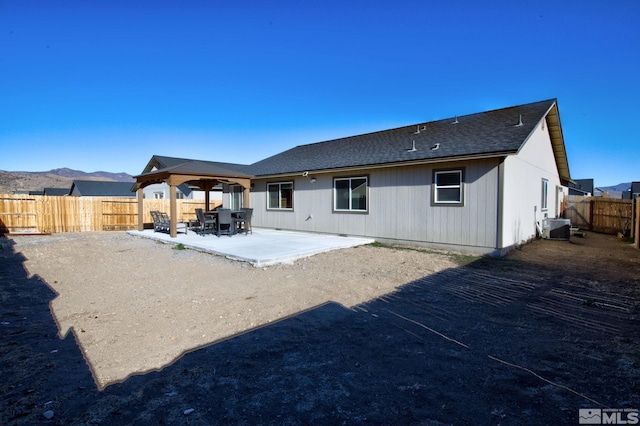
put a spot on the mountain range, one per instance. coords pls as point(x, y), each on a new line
point(12, 182)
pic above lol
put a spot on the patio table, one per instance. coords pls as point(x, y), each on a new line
point(235, 215)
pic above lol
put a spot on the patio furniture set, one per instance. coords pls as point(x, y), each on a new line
point(220, 221)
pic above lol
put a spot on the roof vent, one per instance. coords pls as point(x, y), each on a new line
point(455, 121)
point(519, 121)
point(413, 147)
point(436, 146)
point(417, 132)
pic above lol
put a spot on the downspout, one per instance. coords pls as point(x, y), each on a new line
point(500, 221)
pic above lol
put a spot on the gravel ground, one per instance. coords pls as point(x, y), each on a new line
point(362, 335)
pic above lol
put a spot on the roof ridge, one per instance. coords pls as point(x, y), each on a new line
point(425, 123)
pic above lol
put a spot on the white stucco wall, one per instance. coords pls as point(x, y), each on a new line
point(522, 177)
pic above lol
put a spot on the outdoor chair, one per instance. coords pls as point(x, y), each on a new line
point(206, 224)
point(160, 224)
point(243, 221)
point(225, 222)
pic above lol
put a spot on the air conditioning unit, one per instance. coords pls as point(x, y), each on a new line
point(556, 229)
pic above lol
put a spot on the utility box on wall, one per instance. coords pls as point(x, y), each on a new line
point(556, 229)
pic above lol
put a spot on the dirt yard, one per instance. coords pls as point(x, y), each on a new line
point(107, 328)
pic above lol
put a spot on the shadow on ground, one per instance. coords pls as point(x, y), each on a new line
point(495, 342)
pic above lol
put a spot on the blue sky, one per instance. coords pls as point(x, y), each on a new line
point(104, 85)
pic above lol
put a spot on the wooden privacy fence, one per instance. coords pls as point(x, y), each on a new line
point(608, 215)
point(49, 214)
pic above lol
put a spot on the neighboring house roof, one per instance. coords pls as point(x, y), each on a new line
point(633, 192)
point(56, 191)
point(581, 187)
point(99, 188)
point(487, 134)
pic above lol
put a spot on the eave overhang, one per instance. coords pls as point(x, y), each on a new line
point(175, 176)
point(557, 143)
point(483, 156)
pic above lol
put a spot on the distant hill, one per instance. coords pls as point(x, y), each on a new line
point(10, 182)
point(619, 187)
point(77, 174)
point(615, 191)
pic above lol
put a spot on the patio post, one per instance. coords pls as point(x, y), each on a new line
point(173, 211)
point(246, 197)
point(207, 196)
point(140, 209)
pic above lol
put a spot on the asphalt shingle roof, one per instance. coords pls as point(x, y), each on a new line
point(97, 188)
point(487, 133)
point(56, 191)
point(190, 166)
point(492, 133)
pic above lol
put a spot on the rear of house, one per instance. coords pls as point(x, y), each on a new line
point(481, 183)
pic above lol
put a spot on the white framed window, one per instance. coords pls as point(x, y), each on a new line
point(350, 194)
point(448, 187)
point(280, 196)
point(545, 194)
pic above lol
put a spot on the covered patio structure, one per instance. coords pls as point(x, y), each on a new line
point(202, 174)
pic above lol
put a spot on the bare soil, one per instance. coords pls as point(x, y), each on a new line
point(107, 328)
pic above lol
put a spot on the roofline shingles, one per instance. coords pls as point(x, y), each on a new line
point(489, 133)
point(494, 132)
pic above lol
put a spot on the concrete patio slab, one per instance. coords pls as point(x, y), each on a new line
point(261, 248)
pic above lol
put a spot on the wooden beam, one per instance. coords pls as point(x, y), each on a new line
point(173, 212)
point(178, 179)
point(140, 209)
point(246, 183)
point(246, 199)
point(207, 196)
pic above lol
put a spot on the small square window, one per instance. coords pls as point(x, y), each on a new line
point(448, 187)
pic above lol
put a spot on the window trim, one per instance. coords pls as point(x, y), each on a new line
point(544, 206)
point(350, 209)
point(280, 183)
point(435, 187)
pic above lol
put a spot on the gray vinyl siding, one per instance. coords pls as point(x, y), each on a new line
point(399, 206)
